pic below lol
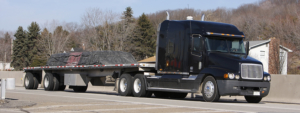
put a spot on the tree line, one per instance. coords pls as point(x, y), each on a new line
point(100, 30)
point(107, 30)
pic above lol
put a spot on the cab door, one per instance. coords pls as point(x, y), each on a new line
point(196, 49)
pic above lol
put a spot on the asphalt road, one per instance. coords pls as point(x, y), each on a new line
point(99, 101)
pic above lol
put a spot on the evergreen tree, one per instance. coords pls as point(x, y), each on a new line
point(40, 59)
point(31, 42)
point(127, 16)
point(144, 39)
point(18, 56)
point(126, 28)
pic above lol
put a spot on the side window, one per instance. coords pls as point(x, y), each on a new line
point(196, 44)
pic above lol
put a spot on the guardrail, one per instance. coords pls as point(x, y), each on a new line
point(284, 88)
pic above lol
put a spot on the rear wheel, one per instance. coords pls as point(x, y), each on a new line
point(80, 88)
point(252, 99)
point(210, 91)
point(139, 87)
point(29, 81)
point(48, 82)
point(125, 85)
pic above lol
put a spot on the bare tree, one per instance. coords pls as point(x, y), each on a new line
point(99, 28)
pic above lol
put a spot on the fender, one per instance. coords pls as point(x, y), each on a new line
point(217, 73)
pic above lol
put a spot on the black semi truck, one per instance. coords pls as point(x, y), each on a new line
point(191, 57)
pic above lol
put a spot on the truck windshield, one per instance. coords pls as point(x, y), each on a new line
point(218, 44)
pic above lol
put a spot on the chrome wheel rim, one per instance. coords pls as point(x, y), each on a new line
point(137, 85)
point(123, 85)
point(26, 81)
point(209, 89)
point(46, 82)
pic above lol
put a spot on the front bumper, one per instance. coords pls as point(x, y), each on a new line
point(244, 88)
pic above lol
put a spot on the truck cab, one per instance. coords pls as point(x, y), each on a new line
point(207, 57)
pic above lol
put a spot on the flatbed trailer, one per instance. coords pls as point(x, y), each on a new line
point(191, 57)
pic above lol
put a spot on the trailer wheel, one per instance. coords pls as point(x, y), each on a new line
point(36, 83)
point(252, 99)
point(178, 95)
point(55, 83)
point(29, 81)
point(125, 85)
point(139, 87)
point(210, 90)
point(48, 82)
point(159, 94)
point(80, 88)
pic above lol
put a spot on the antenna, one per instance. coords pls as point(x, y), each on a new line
point(167, 15)
point(203, 16)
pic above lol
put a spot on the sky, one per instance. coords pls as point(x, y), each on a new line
point(15, 13)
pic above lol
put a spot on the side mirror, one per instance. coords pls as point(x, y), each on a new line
point(247, 47)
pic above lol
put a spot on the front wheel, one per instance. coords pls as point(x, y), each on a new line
point(252, 99)
point(210, 91)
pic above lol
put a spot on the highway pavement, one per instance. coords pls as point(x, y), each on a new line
point(40, 101)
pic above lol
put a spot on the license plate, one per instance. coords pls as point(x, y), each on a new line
point(256, 93)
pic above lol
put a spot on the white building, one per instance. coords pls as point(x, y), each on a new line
point(4, 66)
point(260, 50)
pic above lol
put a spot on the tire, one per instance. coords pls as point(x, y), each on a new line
point(36, 83)
point(210, 90)
point(161, 94)
point(55, 83)
point(125, 85)
point(48, 82)
point(29, 81)
point(80, 88)
point(139, 87)
point(252, 99)
point(178, 95)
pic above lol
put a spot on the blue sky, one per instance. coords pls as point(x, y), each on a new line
point(14, 13)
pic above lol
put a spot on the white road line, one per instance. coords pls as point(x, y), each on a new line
point(135, 102)
point(248, 105)
point(57, 106)
point(201, 112)
point(258, 105)
point(124, 109)
point(11, 110)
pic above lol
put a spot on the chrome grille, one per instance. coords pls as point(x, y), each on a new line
point(251, 71)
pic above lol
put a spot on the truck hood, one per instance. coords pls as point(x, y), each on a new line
point(228, 61)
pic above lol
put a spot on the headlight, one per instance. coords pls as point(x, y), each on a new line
point(237, 76)
point(269, 78)
point(265, 78)
point(231, 75)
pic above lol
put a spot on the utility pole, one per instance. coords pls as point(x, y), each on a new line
point(4, 61)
